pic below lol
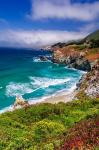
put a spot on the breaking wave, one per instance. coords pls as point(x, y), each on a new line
point(46, 82)
point(14, 89)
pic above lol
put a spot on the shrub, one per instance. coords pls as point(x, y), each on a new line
point(45, 129)
point(83, 136)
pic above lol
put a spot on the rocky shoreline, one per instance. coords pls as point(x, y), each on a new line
point(72, 60)
point(89, 83)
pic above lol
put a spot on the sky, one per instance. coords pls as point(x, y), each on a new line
point(38, 23)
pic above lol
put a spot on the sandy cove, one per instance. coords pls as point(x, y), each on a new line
point(61, 97)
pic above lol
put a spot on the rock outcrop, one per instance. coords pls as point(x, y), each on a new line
point(20, 102)
point(89, 84)
point(73, 60)
point(80, 63)
point(43, 58)
point(92, 80)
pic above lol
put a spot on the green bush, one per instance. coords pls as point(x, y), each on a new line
point(46, 129)
point(81, 47)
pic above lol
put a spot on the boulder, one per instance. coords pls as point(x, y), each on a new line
point(43, 58)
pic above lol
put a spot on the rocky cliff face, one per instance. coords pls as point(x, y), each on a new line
point(89, 84)
point(72, 59)
point(92, 81)
point(82, 60)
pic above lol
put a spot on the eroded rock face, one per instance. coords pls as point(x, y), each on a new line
point(72, 60)
point(81, 64)
point(90, 82)
point(93, 91)
point(93, 84)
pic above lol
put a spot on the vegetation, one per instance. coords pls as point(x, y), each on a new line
point(83, 136)
point(92, 39)
point(44, 126)
point(94, 43)
point(93, 36)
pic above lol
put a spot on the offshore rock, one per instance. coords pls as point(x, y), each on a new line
point(43, 58)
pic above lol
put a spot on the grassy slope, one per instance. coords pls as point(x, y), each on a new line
point(94, 35)
point(43, 126)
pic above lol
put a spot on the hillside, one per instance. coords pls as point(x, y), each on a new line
point(78, 54)
point(46, 126)
point(93, 36)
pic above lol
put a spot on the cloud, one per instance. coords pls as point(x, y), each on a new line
point(89, 27)
point(39, 38)
point(64, 9)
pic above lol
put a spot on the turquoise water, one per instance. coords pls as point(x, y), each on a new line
point(22, 73)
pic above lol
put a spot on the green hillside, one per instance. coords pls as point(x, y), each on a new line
point(93, 36)
point(43, 126)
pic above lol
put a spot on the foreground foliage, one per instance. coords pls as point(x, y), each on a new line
point(44, 126)
point(85, 135)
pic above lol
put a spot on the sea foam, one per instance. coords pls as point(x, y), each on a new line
point(14, 89)
point(46, 82)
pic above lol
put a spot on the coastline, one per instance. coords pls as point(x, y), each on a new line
point(61, 96)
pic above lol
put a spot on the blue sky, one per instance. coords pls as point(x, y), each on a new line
point(36, 23)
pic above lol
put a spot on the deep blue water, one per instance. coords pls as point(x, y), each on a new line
point(22, 73)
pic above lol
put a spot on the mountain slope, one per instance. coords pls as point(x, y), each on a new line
point(93, 36)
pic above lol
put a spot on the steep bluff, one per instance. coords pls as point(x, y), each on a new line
point(71, 58)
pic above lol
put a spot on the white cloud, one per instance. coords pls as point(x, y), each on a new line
point(89, 27)
point(39, 38)
point(64, 9)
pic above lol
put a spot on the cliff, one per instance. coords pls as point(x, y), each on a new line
point(82, 55)
point(71, 57)
point(78, 54)
point(89, 84)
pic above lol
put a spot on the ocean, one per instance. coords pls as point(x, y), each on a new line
point(22, 73)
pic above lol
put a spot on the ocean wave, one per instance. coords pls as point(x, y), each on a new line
point(46, 82)
point(36, 59)
point(14, 89)
point(80, 71)
point(41, 99)
point(58, 93)
point(9, 108)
